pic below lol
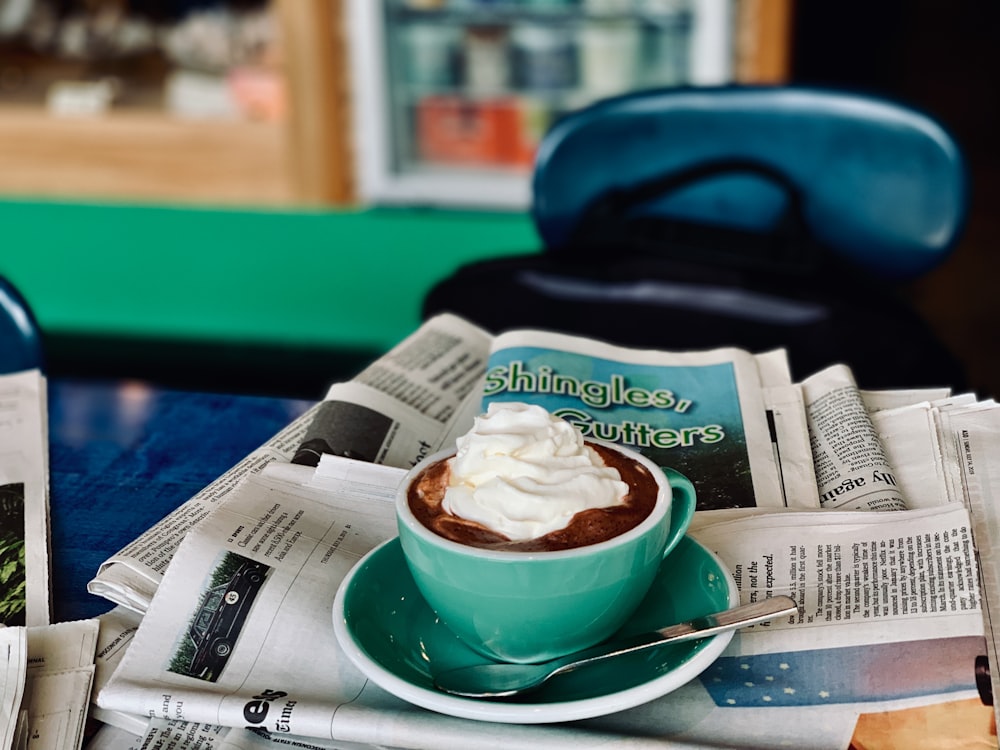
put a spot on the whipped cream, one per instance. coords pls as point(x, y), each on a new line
point(524, 473)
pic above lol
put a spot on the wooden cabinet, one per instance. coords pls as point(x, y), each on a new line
point(144, 157)
point(142, 153)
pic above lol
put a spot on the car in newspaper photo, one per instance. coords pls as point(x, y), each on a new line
point(216, 624)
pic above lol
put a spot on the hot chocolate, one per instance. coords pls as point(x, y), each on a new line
point(529, 542)
point(426, 494)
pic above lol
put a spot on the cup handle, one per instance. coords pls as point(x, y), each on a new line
point(682, 507)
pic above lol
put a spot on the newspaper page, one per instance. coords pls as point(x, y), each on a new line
point(240, 629)
point(13, 667)
point(890, 628)
point(876, 401)
point(974, 433)
point(24, 500)
point(180, 735)
point(408, 403)
point(787, 424)
point(852, 469)
point(912, 439)
point(59, 678)
point(404, 406)
point(117, 628)
point(700, 413)
point(882, 653)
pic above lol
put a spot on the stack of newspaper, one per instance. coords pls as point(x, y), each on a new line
point(874, 510)
point(46, 670)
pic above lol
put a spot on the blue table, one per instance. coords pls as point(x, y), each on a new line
point(122, 455)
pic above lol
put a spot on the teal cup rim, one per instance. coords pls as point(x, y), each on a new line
point(661, 512)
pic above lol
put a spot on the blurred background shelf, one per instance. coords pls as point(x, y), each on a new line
point(144, 156)
point(338, 102)
point(187, 102)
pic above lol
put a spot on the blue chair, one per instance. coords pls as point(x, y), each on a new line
point(881, 185)
point(737, 216)
point(20, 338)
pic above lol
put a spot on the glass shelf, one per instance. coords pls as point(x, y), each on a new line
point(469, 87)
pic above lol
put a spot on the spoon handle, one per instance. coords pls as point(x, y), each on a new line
point(699, 627)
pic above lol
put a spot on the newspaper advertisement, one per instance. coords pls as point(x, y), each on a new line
point(24, 500)
point(700, 413)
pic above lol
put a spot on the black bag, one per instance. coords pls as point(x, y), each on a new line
point(636, 278)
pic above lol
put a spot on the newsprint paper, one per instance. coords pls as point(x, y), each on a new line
point(24, 500)
point(46, 670)
point(871, 509)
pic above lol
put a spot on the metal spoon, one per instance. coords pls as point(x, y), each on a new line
point(502, 680)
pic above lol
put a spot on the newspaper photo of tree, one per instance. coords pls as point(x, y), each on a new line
point(222, 610)
point(13, 577)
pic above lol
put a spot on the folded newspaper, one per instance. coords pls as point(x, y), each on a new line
point(47, 670)
point(24, 500)
point(874, 510)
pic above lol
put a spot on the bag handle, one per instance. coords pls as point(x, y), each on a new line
point(606, 224)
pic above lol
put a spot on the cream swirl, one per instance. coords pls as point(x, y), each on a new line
point(524, 473)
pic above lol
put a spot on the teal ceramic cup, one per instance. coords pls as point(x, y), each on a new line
point(534, 606)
